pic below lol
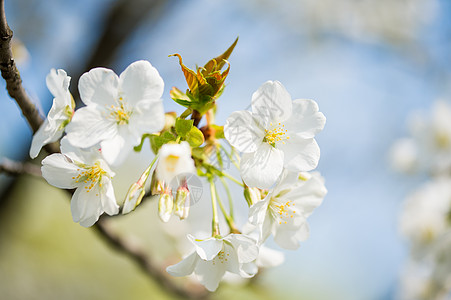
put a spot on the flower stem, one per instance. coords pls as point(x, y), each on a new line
point(232, 178)
point(214, 221)
point(227, 217)
point(230, 155)
point(229, 196)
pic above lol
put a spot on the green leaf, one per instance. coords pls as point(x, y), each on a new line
point(156, 141)
point(218, 62)
point(182, 126)
point(195, 137)
point(219, 131)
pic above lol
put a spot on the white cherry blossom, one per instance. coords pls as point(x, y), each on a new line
point(119, 110)
point(214, 257)
point(278, 133)
point(174, 160)
point(425, 216)
point(59, 115)
point(89, 174)
point(284, 211)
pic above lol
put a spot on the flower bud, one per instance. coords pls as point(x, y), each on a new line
point(133, 198)
point(182, 201)
point(156, 185)
point(169, 120)
point(136, 192)
point(166, 205)
point(252, 195)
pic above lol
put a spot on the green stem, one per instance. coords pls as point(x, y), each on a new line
point(229, 196)
point(227, 217)
point(232, 178)
point(230, 155)
point(214, 221)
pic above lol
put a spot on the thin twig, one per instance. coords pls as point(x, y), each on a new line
point(29, 110)
point(15, 168)
point(136, 254)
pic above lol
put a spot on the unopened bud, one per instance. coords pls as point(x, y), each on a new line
point(136, 192)
point(133, 198)
point(156, 185)
point(169, 120)
point(252, 195)
point(182, 201)
point(166, 205)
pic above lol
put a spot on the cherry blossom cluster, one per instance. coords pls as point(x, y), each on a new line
point(425, 219)
point(276, 142)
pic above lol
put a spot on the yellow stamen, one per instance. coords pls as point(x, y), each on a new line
point(92, 174)
point(276, 134)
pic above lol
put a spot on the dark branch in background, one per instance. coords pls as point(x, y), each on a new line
point(15, 168)
point(142, 260)
point(121, 21)
point(17, 92)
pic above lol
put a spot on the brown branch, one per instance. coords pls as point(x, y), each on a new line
point(17, 92)
point(15, 168)
point(136, 254)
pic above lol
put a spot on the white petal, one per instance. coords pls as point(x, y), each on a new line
point(141, 81)
point(85, 156)
point(86, 206)
point(245, 247)
point(185, 267)
point(289, 239)
point(45, 135)
point(263, 167)
point(168, 167)
point(99, 86)
point(207, 249)
point(308, 196)
point(272, 103)
point(266, 228)
point(300, 154)
point(248, 270)
point(59, 171)
point(268, 258)
point(257, 212)
point(88, 127)
point(109, 204)
point(210, 275)
point(116, 149)
point(306, 120)
point(243, 132)
point(230, 260)
point(147, 117)
point(58, 84)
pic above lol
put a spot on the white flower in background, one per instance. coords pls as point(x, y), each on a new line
point(425, 215)
point(278, 133)
point(174, 160)
point(404, 155)
point(285, 209)
point(214, 257)
point(59, 115)
point(431, 135)
point(119, 110)
point(89, 174)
